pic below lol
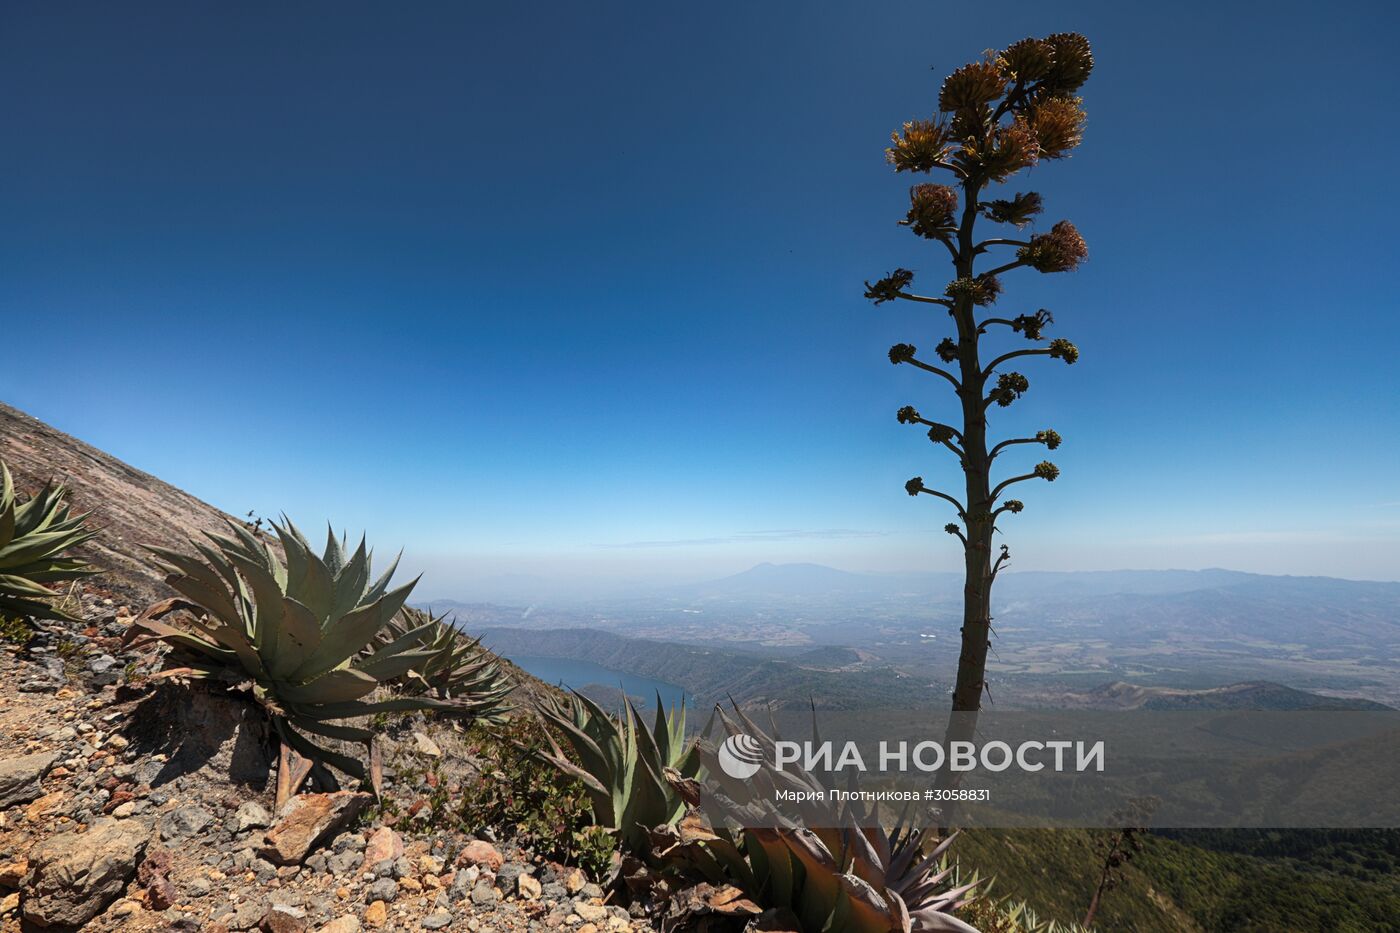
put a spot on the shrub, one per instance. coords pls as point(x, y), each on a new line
point(458, 668)
point(33, 538)
point(623, 765)
point(300, 638)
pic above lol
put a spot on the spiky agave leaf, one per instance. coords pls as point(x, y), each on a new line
point(838, 871)
point(33, 538)
point(459, 669)
point(304, 633)
point(623, 764)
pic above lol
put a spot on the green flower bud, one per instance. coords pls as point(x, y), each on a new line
point(902, 353)
point(1010, 387)
point(947, 350)
point(982, 290)
point(951, 528)
point(1062, 349)
point(1046, 471)
point(940, 434)
point(907, 415)
point(1049, 437)
point(914, 486)
point(1013, 505)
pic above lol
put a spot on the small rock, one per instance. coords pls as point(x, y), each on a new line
point(463, 881)
point(591, 912)
point(74, 876)
point(437, 920)
point(20, 777)
point(183, 822)
point(343, 863)
point(385, 889)
point(426, 746)
point(283, 918)
point(482, 854)
point(484, 895)
point(11, 873)
point(376, 914)
point(346, 924)
point(574, 881)
point(529, 887)
point(507, 875)
point(347, 842)
point(161, 894)
point(307, 820)
point(383, 844)
point(249, 815)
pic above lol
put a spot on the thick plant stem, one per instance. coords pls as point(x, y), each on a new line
point(977, 580)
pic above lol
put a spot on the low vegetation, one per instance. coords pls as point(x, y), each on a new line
point(303, 637)
point(458, 667)
point(623, 765)
point(35, 537)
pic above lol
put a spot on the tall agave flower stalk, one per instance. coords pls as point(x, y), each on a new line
point(623, 765)
point(996, 117)
point(459, 668)
point(835, 869)
point(34, 535)
point(301, 637)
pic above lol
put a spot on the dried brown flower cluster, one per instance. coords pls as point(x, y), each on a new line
point(931, 210)
point(1060, 250)
point(1007, 112)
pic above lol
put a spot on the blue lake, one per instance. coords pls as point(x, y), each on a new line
point(578, 674)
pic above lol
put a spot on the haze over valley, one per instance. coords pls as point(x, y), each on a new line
point(787, 633)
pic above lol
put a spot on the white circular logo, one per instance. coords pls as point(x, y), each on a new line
point(741, 756)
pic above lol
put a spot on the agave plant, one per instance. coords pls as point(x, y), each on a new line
point(33, 537)
point(459, 669)
point(295, 636)
point(623, 765)
point(835, 869)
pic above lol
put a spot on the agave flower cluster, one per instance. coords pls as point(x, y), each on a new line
point(34, 536)
point(301, 637)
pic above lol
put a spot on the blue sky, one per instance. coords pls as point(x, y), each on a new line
point(576, 289)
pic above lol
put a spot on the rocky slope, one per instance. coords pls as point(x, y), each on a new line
point(138, 803)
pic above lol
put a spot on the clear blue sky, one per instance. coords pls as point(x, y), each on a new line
point(576, 288)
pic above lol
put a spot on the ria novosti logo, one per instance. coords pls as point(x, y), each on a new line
point(741, 756)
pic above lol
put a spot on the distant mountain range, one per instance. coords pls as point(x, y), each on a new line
point(816, 583)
